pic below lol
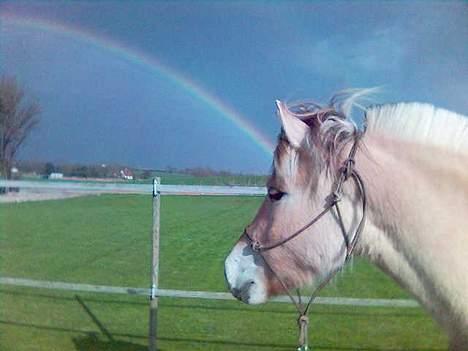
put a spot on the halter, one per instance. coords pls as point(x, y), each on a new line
point(345, 172)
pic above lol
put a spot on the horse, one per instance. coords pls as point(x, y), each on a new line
point(412, 159)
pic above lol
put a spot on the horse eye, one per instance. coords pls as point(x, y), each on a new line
point(275, 194)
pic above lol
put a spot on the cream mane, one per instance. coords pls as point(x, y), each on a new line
point(422, 123)
point(415, 122)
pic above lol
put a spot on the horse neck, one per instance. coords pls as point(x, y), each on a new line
point(415, 229)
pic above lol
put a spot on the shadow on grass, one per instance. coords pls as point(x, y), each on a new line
point(287, 346)
point(64, 330)
point(105, 340)
point(92, 342)
point(358, 311)
point(279, 308)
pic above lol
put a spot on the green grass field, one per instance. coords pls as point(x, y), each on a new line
point(106, 240)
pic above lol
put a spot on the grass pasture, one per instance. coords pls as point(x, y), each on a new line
point(106, 240)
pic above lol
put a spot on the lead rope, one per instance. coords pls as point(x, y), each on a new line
point(303, 333)
point(303, 320)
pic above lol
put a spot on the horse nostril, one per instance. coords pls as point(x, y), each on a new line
point(252, 282)
point(236, 293)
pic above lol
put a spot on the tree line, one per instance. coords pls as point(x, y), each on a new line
point(78, 170)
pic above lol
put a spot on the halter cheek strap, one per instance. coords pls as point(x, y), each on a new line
point(347, 171)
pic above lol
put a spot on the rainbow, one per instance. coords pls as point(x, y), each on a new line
point(148, 62)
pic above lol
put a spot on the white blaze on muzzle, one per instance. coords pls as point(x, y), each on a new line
point(245, 274)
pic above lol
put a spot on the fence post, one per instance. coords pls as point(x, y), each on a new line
point(153, 316)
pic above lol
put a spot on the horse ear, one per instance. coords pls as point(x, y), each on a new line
point(295, 129)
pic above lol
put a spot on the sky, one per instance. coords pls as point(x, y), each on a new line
point(193, 83)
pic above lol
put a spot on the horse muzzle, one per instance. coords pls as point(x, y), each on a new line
point(245, 275)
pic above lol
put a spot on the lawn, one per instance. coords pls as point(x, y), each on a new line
point(106, 240)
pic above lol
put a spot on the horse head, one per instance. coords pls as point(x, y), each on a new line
point(271, 256)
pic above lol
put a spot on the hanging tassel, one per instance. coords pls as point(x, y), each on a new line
point(303, 323)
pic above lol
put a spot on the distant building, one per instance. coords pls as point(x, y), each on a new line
point(126, 174)
point(55, 175)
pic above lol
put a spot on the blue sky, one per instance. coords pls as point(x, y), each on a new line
point(99, 107)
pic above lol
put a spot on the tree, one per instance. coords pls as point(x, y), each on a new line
point(18, 117)
point(146, 174)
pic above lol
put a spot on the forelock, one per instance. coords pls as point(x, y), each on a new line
point(331, 125)
point(293, 164)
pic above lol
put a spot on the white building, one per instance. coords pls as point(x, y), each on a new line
point(56, 176)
